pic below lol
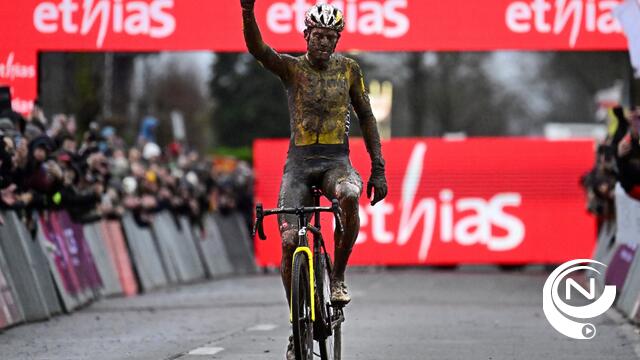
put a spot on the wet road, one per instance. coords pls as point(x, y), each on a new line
point(398, 314)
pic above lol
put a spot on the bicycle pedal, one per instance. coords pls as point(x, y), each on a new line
point(339, 304)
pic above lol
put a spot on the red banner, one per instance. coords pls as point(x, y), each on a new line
point(19, 70)
point(384, 25)
point(480, 201)
point(372, 25)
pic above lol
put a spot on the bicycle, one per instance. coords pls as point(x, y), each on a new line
point(311, 313)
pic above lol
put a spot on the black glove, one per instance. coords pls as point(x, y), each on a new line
point(377, 181)
point(247, 4)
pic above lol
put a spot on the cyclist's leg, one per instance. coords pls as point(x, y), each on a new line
point(343, 182)
point(293, 192)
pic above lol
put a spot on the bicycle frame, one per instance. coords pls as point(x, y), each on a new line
point(303, 242)
point(303, 246)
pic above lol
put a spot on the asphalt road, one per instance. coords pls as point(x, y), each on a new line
point(399, 314)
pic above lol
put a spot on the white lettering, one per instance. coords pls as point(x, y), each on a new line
point(372, 21)
point(279, 18)
point(135, 18)
point(137, 22)
point(473, 228)
point(67, 8)
point(517, 16)
point(22, 106)
point(590, 16)
point(607, 23)
point(514, 226)
point(91, 14)
point(11, 70)
point(397, 18)
point(383, 18)
point(300, 8)
point(575, 15)
point(118, 17)
point(446, 215)
point(45, 18)
point(540, 9)
point(167, 21)
point(467, 221)
point(564, 12)
point(571, 283)
point(351, 16)
point(379, 228)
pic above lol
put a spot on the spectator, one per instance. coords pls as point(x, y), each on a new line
point(617, 161)
point(44, 167)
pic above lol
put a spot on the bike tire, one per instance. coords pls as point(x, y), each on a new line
point(327, 343)
point(301, 308)
point(337, 342)
point(331, 347)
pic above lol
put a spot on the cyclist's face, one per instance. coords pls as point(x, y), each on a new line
point(321, 43)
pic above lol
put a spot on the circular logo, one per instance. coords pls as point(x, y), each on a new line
point(561, 315)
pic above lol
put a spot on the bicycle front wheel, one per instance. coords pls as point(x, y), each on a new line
point(301, 308)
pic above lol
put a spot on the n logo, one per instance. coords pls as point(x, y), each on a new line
point(561, 315)
point(590, 295)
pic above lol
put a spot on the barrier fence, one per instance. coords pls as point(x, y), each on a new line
point(67, 265)
point(617, 248)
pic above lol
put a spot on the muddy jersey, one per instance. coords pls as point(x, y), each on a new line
point(319, 105)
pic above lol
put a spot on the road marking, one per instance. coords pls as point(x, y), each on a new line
point(263, 327)
point(206, 351)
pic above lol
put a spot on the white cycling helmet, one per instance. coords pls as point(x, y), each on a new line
point(324, 16)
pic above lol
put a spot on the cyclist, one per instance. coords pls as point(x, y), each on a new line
point(321, 87)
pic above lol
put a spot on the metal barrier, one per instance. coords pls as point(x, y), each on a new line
point(629, 299)
point(82, 259)
point(627, 234)
point(176, 249)
point(59, 263)
point(144, 254)
point(212, 249)
point(68, 265)
point(112, 234)
point(105, 263)
point(237, 242)
point(18, 251)
point(10, 310)
point(70, 259)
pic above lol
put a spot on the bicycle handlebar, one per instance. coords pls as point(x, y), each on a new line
point(261, 213)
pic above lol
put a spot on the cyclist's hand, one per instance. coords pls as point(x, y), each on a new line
point(377, 182)
point(247, 4)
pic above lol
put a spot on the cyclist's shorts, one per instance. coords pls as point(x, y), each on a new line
point(325, 173)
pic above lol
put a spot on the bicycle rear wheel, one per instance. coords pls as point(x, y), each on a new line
point(330, 338)
point(301, 308)
point(337, 342)
point(331, 347)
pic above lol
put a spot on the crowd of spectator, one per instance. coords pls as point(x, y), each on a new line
point(617, 161)
point(50, 165)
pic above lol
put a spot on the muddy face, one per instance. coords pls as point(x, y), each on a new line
point(321, 44)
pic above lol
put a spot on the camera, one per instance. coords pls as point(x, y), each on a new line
point(5, 99)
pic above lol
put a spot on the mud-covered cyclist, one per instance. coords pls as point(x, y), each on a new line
point(321, 88)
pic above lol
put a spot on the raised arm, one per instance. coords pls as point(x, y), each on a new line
point(368, 124)
point(268, 57)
